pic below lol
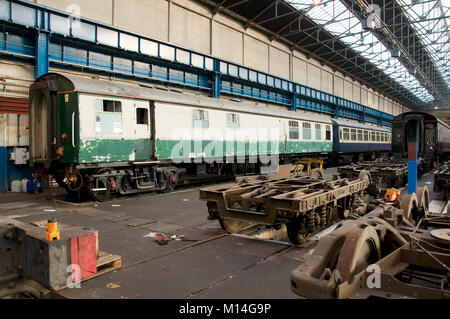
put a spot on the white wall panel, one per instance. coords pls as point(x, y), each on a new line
point(364, 96)
point(279, 63)
point(99, 10)
point(14, 130)
point(256, 54)
point(15, 79)
point(338, 86)
point(189, 29)
point(356, 93)
point(327, 82)
point(375, 100)
point(299, 71)
point(226, 43)
point(140, 17)
point(314, 76)
point(348, 90)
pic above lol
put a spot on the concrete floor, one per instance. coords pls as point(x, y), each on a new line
point(217, 265)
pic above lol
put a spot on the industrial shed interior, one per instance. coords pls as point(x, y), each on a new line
point(224, 149)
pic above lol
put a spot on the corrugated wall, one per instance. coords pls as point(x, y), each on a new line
point(188, 24)
point(227, 43)
point(256, 54)
point(99, 10)
point(140, 17)
point(189, 29)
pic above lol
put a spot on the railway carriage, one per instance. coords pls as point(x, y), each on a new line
point(358, 141)
point(109, 138)
point(430, 133)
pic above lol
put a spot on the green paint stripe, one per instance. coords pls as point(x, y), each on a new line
point(114, 150)
point(168, 149)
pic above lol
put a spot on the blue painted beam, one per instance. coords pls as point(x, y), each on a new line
point(216, 79)
point(42, 54)
point(412, 167)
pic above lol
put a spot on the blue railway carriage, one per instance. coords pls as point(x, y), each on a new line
point(356, 142)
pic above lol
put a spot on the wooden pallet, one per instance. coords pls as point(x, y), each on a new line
point(106, 262)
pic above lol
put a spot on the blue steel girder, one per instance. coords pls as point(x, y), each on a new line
point(42, 54)
point(63, 41)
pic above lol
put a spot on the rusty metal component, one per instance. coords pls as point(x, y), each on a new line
point(409, 204)
point(360, 249)
point(387, 173)
point(285, 170)
point(319, 276)
point(304, 204)
point(423, 197)
point(442, 180)
point(442, 235)
point(412, 263)
point(365, 175)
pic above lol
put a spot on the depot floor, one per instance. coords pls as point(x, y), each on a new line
point(212, 265)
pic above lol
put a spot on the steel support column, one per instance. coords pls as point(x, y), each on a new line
point(216, 79)
point(42, 60)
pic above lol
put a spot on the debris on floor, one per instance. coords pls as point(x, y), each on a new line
point(112, 285)
point(161, 239)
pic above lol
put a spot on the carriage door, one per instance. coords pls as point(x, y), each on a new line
point(283, 136)
point(413, 132)
point(143, 131)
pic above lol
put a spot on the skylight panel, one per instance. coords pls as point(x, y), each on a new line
point(338, 21)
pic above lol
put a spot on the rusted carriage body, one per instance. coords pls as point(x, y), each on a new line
point(442, 180)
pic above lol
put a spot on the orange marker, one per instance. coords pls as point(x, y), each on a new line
point(391, 194)
point(52, 230)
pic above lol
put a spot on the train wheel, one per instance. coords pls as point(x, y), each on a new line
point(169, 182)
point(360, 249)
point(294, 235)
point(103, 189)
point(410, 207)
point(365, 175)
point(233, 225)
point(423, 197)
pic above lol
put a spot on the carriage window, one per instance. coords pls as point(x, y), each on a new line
point(382, 137)
point(378, 136)
point(328, 133)
point(373, 137)
point(360, 136)
point(318, 132)
point(108, 106)
point(141, 116)
point(200, 119)
point(108, 117)
point(430, 136)
point(366, 136)
point(353, 134)
point(293, 130)
point(306, 131)
point(346, 134)
point(233, 120)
